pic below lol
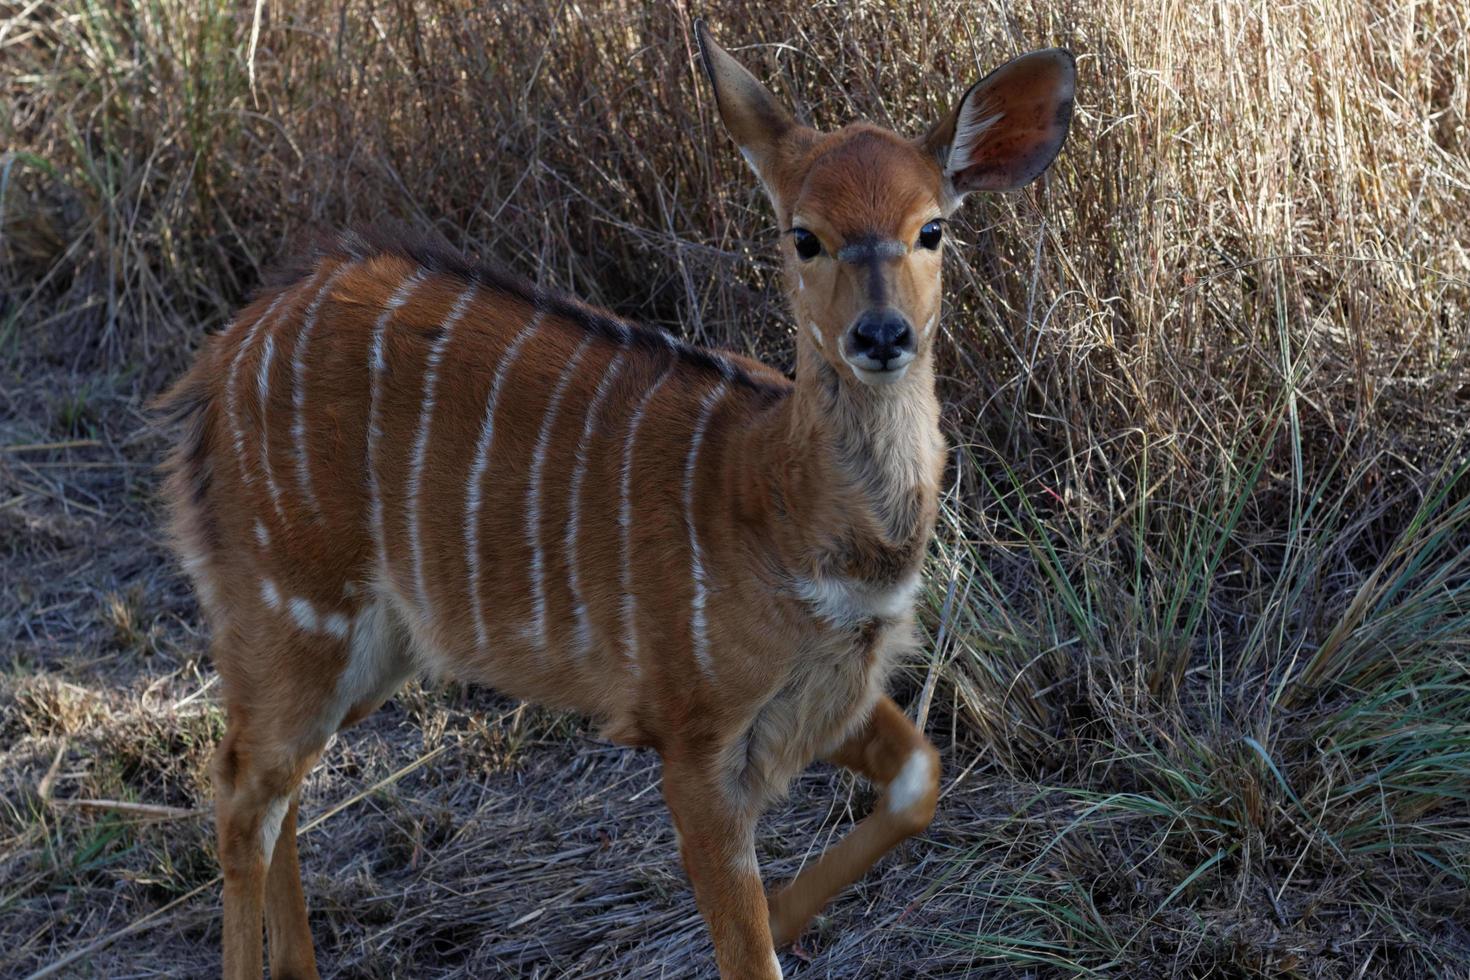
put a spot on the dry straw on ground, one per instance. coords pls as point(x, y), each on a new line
point(1200, 606)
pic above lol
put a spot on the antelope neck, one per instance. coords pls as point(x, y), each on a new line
point(853, 472)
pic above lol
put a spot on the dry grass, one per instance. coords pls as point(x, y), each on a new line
point(1200, 607)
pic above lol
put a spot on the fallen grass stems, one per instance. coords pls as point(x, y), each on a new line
point(1200, 601)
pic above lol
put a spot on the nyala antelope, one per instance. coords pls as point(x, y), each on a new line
point(396, 463)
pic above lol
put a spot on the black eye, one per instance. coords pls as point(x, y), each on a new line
point(808, 246)
point(930, 234)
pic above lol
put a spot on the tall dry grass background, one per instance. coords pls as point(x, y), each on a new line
point(1199, 609)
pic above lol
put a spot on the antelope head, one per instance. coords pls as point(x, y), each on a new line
point(862, 210)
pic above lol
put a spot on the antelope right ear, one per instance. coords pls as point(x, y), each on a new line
point(750, 112)
point(1008, 128)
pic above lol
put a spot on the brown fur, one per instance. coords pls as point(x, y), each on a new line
point(743, 621)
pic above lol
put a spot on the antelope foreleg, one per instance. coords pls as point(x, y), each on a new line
point(717, 844)
point(891, 752)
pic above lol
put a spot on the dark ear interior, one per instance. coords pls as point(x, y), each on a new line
point(750, 112)
point(1008, 128)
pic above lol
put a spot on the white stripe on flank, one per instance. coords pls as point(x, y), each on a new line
point(262, 535)
point(477, 473)
point(377, 362)
point(625, 520)
point(269, 594)
point(574, 505)
point(232, 386)
point(697, 624)
point(303, 612)
point(336, 624)
point(537, 628)
point(421, 442)
point(298, 390)
point(263, 385)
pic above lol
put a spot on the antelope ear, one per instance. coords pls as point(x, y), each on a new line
point(1008, 128)
point(750, 112)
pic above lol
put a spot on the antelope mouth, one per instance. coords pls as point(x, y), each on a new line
point(879, 373)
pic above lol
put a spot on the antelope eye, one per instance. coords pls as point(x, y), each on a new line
point(808, 246)
point(930, 234)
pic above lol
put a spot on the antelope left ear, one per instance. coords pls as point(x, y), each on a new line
point(1008, 128)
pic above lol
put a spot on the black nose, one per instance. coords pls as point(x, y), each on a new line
point(882, 335)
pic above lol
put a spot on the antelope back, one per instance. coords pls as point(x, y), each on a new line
point(534, 494)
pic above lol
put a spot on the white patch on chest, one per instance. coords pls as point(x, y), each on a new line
point(845, 601)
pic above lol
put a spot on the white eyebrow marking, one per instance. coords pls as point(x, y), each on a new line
point(700, 639)
point(574, 506)
point(537, 628)
point(625, 520)
point(232, 386)
point(816, 334)
point(298, 390)
point(378, 362)
point(421, 442)
point(477, 472)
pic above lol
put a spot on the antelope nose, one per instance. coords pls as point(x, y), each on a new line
point(881, 337)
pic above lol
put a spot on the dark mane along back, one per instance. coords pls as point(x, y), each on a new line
point(438, 257)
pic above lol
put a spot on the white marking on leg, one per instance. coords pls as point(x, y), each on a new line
point(198, 568)
point(377, 362)
point(270, 825)
point(298, 391)
point(816, 334)
point(232, 386)
point(536, 630)
point(574, 505)
point(776, 965)
point(421, 444)
point(625, 521)
point(698, 635)
point(269, 594)
point(744, 861)
point(262, 535)
point(912, 781)
point(477, 474)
